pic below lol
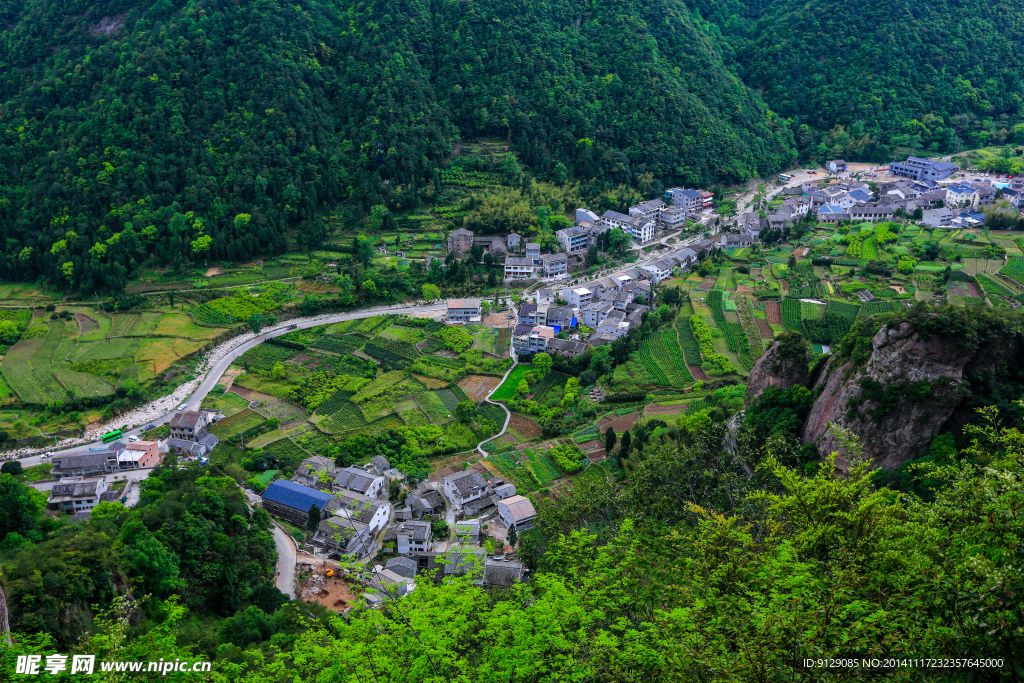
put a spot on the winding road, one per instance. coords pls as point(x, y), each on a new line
point(214, 373)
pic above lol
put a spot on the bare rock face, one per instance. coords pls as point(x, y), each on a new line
point(783, 365)
point(897, 402)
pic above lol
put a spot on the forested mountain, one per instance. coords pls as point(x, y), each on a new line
point(209, 129)
point(870, 80)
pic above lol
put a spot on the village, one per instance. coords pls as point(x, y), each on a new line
point(810, 257)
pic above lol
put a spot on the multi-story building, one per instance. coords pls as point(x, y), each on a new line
point(459, 241)
point(559, 317)
point(836, 166)
point(554, 265)
point(527, 314)
point(513, 241)
point(352, 505)
point(690, 200)
point(519, 268)
point(359, 480)
point(650, 209)
point(463, 310)
point(139, 454)
point(660, 269)
point(872, 214)
point(673, 218)
point(188, 424)
point(573, 240)
point(922, 169)
point(832, 214)
point(533, 252)
point(413, 537)
point(78, 496)
point(464, 486)
point(88, 464)
point(535, 341)
point(640, 229)
point(586, 216)
point(517, 512)
point(961, 197)
point(577, 296)
point(594, 313)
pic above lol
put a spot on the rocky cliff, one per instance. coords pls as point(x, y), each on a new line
point(783, 365)
point(898, 400)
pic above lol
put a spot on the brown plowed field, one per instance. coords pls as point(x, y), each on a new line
point(619, 424)
point(478, 386)
point(594, 450)
point(773, 312)
point(698, 373)
point(85, 323)
point(764, 328)
point(655, 409)
point(524, 426)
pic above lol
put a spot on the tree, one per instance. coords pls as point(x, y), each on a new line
point(362, 247)
point(609, 441)
point(431, 292)
point(313, 520)
point(257, 321)
point(21, 509)
point(464, 411)
point(513, 536)
point(201, 245)
point(12, 467)
point(278, 371)
point(627, 441)
point(379, 219)
point(542, 362)
point(522, 389)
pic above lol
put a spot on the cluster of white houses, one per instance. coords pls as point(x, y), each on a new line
point(357, 520)
point(611, 306)
point(643, 222)
point(951, 205)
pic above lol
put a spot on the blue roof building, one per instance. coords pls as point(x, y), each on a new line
point(860, 196)
point(291, 501)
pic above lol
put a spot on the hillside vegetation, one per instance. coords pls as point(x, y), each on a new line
point(209, 130)
point(874, 80)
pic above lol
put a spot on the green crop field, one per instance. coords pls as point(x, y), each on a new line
point(239, 422)
point(434, 409)
point(1014, 269)
point(508, 388)
point(265, 356)
point(495, 414)
point(338, 344)
point(346, 417)
point(687, 342)
point(992, 287)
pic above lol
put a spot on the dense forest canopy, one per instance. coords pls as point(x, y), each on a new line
point(208, 130)
point(876, 80)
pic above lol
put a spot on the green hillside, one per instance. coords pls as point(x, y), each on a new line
point(208, 130)
point(873, 80)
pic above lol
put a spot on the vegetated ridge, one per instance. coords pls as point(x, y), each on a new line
point(209, 130)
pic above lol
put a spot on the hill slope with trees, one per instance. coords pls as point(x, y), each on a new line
point(870, 81)
point(209, 130)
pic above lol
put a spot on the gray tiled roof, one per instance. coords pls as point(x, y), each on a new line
point(402, 562)
point(354, 478)
point(502, 572)
point(186, 419)
point(466, 481)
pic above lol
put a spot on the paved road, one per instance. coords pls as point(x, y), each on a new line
point(508, 414)
point(285, 562)
point(213, 375)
